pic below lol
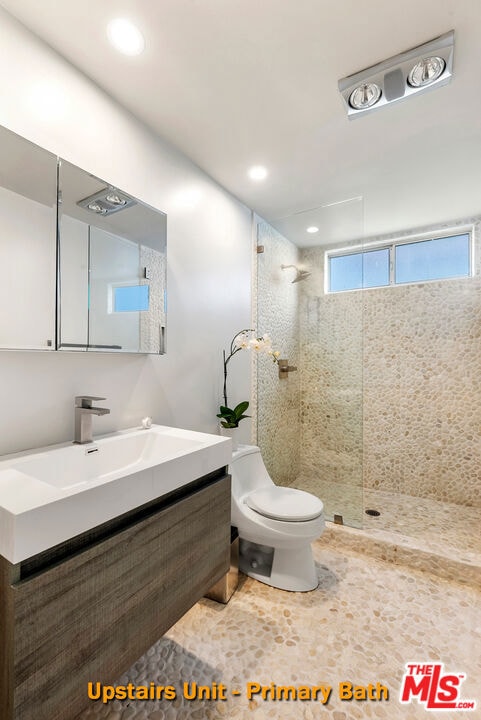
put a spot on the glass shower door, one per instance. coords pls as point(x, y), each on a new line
point(310, 421)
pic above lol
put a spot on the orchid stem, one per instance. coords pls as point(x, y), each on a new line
point(226, 360)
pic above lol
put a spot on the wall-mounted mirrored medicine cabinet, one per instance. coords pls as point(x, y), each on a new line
point(84, 263)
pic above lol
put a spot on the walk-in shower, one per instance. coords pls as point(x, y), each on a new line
point(381, 421)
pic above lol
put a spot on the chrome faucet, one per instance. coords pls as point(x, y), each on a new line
point(83, 417)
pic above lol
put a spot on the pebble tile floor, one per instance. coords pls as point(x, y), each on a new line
point(365, 621)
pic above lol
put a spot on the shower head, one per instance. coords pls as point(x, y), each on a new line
point(300, 274)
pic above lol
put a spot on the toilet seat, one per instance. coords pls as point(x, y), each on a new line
point(288, 504)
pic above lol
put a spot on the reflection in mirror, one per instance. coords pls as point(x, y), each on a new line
point(112, 268)
point(28, 199)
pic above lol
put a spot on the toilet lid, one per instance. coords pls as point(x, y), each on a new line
point(281, 503)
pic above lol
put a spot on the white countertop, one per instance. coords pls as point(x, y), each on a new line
point(52, 494)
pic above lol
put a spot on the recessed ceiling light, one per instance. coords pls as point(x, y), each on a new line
point(426, 71)
point(125, 36)
point(258, 172)
point(312, 229)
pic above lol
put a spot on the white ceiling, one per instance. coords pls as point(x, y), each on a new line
point(234, 83)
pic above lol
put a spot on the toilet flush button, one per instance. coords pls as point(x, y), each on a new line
point(146, 422)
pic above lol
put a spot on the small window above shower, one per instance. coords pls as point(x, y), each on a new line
point(414, 259)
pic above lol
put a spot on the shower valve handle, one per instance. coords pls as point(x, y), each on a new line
point(285, 368)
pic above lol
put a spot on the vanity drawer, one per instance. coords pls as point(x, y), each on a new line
point(90, 616)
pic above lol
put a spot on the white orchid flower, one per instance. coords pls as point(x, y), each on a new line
point(241, 341)
point(244, 340)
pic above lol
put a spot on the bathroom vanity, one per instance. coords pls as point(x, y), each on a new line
point(85, 608)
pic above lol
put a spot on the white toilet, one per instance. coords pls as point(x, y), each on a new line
point(276, 525)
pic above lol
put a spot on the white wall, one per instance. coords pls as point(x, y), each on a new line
point(209, 263)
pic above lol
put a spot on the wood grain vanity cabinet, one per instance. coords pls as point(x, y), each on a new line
point(88, 608)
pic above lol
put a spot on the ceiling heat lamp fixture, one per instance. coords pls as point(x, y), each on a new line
point(417, 70)
point(427, 71)
point(365, 96)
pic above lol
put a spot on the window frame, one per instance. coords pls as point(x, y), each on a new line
point(467, 229)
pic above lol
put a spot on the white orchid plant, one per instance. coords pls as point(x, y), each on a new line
point(243, 340)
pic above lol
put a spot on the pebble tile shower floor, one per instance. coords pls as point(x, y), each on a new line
point(447, 531)
point(366, 620)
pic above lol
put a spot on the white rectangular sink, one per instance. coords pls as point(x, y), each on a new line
point(99, 461)
point(51, 494)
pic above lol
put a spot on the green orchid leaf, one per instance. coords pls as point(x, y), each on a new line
point(241, 407)
point(230, 417)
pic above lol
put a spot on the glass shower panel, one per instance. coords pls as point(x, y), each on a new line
point(278, 399)
point(310, 423)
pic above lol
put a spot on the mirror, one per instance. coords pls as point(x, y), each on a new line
point(28, 200)
point(112, 268)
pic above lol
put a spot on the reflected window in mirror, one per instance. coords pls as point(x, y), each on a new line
point(130, 298)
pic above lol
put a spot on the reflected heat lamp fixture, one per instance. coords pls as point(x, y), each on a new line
point(107, 201)
point(417, 70)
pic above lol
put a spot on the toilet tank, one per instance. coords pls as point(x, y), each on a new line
point(248, 470)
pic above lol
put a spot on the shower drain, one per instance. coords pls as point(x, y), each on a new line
point(374, 513)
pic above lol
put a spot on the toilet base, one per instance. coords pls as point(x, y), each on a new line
point(292, 568)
